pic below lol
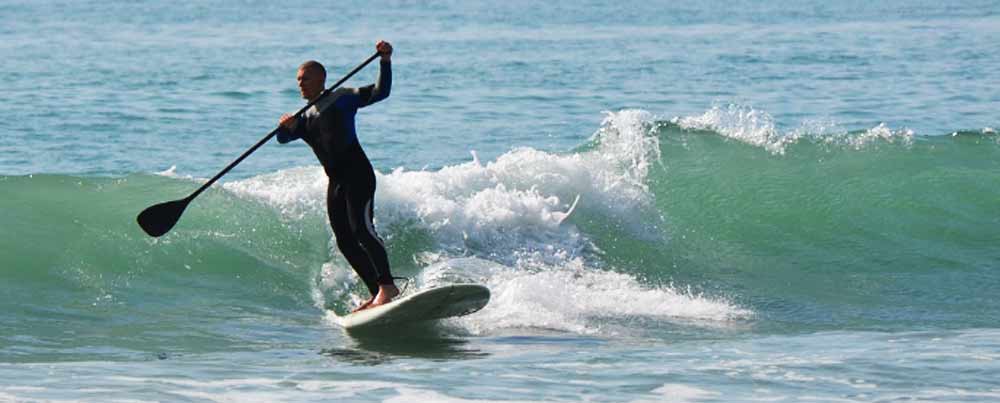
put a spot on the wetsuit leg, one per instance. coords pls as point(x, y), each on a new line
point(337, 209)
point(360, 213)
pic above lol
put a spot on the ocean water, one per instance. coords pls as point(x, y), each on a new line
point(774, 201)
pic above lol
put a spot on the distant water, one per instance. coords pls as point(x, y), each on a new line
point(783, 201)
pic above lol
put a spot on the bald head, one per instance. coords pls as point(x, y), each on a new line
point(314, 66)
point(312, 79)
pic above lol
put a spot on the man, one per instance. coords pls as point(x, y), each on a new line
point(328, 127)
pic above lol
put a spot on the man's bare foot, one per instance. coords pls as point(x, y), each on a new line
point(386, 292)
point(366, 305)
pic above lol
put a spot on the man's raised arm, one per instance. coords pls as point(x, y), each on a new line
point(370, 94)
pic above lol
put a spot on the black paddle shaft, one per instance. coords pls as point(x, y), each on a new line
point(158, 219)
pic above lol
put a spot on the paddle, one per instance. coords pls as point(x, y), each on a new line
point(156, 220)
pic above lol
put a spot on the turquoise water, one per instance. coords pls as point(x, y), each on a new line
point(781, 201)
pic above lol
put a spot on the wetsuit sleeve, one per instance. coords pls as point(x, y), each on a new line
point(286, 135)
point(370, 94)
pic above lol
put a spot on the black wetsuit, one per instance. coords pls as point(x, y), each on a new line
point(328, 127)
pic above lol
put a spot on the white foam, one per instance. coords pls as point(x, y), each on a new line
point(295, 192)
point(579, 299)
point(880, 132)
point(172, 173)
point(421, 396)
point(757, 128)
point(337, 282)
point(264, 389)
point(741, 123)
point(673, 392)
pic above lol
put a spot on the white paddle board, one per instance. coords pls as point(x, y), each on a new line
point(432, 304)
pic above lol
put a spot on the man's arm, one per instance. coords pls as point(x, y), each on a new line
point(290, 128)
point(370, 94)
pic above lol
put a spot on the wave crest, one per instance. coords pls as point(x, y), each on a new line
point(758, 128)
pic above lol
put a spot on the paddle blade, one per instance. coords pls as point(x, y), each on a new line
point(158, 219)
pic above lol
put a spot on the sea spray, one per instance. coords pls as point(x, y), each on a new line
point(756, 127)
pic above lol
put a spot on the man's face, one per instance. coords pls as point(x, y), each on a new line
point(311, 83)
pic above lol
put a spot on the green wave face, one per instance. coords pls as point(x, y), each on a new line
point(81, 275)
point(878, 235)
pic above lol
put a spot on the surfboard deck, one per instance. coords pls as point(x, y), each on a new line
point(427, 305)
